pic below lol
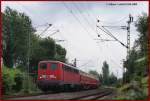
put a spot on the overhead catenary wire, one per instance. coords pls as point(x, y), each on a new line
point(108, 52)
point(90, 24)
point(117, 27)
point(109, 58)
point(92, 13)
point(28, 10)
point(109, 33)
point(41, 25)
point(76, 19)
point(72, 52)
point(95, 30)
point(115, 22)
point(45, 29)
point(86, 20)
point(93, 18)
point(115, 38)
point(85, 64)
point(69, 42)
point(104, 39)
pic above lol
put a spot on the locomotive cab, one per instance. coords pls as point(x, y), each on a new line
point(49, 75)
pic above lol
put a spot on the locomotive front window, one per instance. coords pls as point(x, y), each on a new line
point(43, 65)
point(53, 66)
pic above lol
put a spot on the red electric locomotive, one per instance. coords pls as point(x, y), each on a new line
point(55, 75)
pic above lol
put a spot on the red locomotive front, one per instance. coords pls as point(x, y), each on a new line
point(49, 75)
point(55, 75)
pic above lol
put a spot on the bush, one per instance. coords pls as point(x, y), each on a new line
point(136, 95)
point(7, 80)
point(7, 83)
point(29, 84)
point(12, 80)
point(16, 81)
point(19, 81)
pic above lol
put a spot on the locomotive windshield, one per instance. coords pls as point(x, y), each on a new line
point(53, 66)
point(43, 65)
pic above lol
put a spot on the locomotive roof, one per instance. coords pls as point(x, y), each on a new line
point(80, 71)
point(59, 62)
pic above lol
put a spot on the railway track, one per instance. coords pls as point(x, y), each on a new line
point(93, 96)
point(86, 94)
point(26, 95)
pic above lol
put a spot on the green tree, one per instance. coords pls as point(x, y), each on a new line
point(42, 49)
point(112, 79)
point(45, 49)
point(101, 79)
point(95, 73)
point(130, 65)
point(105, 71)
point(142, 27)
point(60, 53)
point(15, 30)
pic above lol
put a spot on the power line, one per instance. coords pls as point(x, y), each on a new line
point(45, 29)
point(90, 25)
point(69, 42)
point(108, 52)
point(109, 58)
point(88, 13)
point(92, 13)
point(41, 25)
point(86, 19)
point(104, 40)
point(73, 14)
point(54, 33)
point(109, 33)
point(28, 10)
point(76, 6)
point(77, 19)
point(119, 27)
point(115, 22)
point(78, 52)
point(128, 37)
point(85, 64)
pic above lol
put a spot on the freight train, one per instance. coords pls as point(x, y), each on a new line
point(56, 75)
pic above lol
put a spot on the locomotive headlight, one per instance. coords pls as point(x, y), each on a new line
point(43, 76)
point(52, 76)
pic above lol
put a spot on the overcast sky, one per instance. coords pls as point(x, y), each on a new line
point(77, 22)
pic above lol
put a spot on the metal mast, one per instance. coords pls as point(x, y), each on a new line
point(128, 35)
